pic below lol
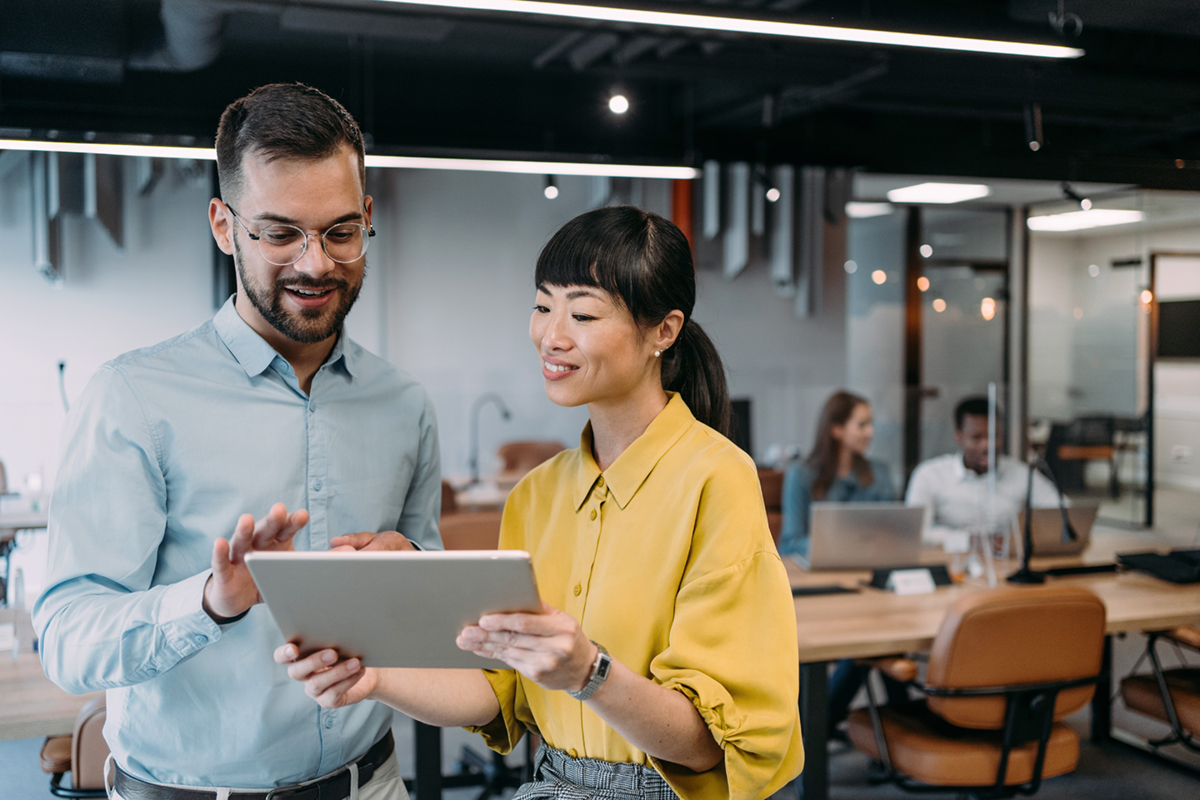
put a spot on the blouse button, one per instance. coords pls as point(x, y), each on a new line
point(593, 514)
point(600, 481)
point(578, 589)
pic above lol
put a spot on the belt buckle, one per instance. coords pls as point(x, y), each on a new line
point(310, 791)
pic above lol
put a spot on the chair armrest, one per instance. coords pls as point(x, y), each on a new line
point(1187, 634)
point(897, 668)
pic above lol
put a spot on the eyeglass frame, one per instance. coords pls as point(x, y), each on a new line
point(257, 237)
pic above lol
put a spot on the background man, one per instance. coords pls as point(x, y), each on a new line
point(955, 486)
point(267, 406)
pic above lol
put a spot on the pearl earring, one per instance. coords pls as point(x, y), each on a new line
point(657, 353)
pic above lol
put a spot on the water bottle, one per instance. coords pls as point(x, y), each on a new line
point(22, 628)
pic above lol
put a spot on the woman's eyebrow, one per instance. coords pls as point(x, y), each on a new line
point(574, 293)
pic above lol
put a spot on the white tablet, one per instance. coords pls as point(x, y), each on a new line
point(392, 609)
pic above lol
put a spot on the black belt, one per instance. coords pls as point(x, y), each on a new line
point(333, 787)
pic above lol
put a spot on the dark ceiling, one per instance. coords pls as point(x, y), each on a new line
point(430, 81)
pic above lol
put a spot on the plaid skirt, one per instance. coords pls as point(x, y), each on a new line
point(557, 776)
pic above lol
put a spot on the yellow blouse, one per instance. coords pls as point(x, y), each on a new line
point(665, 558)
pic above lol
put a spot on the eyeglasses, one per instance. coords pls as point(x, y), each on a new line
point(282, 244)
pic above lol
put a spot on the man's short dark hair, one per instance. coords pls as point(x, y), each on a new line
point(283, 120)
point(976, 406)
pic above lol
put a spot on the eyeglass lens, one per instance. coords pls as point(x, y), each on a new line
point(284, 244)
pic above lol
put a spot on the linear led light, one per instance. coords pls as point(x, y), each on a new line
point(1081, 220)
point(939, 193)
point(535, 167)
point(700, 22)
point(858, 210)
point(136, 150)
point(392, 162)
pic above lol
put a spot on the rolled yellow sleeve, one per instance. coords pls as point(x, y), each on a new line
point(741, 675)
point(504, 732)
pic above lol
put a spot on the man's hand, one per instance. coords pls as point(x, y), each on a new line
point(328, 679)
point(387, 540)
point(230, 590)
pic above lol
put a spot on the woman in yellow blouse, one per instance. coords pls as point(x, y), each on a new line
point(665, 663)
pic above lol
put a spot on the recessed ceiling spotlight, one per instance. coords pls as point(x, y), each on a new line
point(879, 276)
point(618, 104)
point(851, 267)
point(939, 193)
point(939, 305)
point(773, 195)
point(926, 251)
point(1094, 270)
point(923, 283)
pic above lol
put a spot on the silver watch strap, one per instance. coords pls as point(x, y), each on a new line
point(599, 674)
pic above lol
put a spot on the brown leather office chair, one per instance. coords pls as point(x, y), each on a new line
point(471, 530)
point(772, 489)
point(82, 754)
point(1171, 696)
point(520, 457)
point(1005, 667)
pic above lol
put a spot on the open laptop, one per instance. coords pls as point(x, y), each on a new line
point(1048, 527)
point(863, 536)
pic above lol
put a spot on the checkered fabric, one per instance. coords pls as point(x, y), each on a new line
point(557, 776)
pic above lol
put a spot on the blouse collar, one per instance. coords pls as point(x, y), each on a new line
point(627, 474)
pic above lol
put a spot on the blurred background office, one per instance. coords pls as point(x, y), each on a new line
point(905, 222)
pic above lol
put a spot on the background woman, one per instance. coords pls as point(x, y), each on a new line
point(837, 470)
point(650, 539)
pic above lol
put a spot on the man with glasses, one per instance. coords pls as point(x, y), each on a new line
point(173, 451)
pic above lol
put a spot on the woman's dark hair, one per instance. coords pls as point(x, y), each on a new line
point(824, 457)
point(645, 262)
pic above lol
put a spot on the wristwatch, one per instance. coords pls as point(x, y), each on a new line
point(599, 674)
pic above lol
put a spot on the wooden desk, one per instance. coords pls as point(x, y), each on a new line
point(875, 623)
point(32, 705)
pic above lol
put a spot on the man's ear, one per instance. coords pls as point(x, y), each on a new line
point(220, 219)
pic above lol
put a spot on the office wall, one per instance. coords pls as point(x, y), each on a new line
point(447, 297)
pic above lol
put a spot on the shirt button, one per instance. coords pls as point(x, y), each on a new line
point(593, 515)
point(312, 409)
point(328, 723)
point(600, 481)
point(572, 753)
point(578, 589)
point(201, 640)
point(151, 672)
point(317, 486)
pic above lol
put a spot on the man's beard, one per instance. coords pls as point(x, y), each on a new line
point(307, 327)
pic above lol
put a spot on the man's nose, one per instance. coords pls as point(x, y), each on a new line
point(315, 262)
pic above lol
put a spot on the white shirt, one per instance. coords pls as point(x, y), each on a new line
point(957, 497)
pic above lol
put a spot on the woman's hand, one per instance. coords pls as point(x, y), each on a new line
point(548, 648)
point(333, 683)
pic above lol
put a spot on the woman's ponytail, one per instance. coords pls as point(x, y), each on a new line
point(693, 368)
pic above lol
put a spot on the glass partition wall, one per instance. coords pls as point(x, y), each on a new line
point(1117, 420)
point(927, 317)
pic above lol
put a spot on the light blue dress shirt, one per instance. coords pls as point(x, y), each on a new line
point(163, 452)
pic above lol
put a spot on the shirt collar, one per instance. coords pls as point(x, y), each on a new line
point(627, 474)
point(253, 352)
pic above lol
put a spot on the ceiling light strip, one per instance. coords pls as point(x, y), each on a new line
point(135, 150)
point(700, 22)
point(387, 162)
point(535, 167)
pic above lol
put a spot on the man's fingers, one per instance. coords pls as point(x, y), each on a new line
point(295, 521)
point(266, 529)
point(286, 653)
point(240, 541)
point(220, 560)
point(335, 695)
point(356, 541)
point(302, 669)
